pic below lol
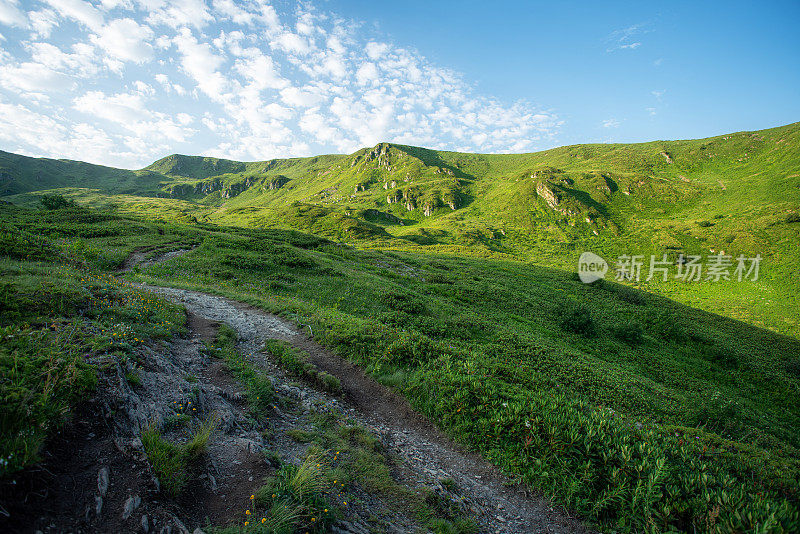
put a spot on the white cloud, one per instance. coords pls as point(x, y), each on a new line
point(658, 93)
point(235, 13)
point(179, 13)
point(367, 73)
point(376, 51)
point(201, 64)
point(292, 43)
point(260, 70)
point(297, 97)
point(11, 14)
point(43, 22)
point(82, 62)
point(125, 40)
point(31, 77)
point(108, 5)
point(79, 11)
point(131, 112)
point(610, 123)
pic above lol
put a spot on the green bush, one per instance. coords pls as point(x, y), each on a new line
point(576, 318)
point(55, 201)
point(631, 295)
point(21, 245)
point(636, 479)
point(666, 326)
point(294, 499)
point(631, 333)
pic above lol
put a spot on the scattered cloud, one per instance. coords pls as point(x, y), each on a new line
point(626, 38)
point(133, 80)
point(658, 93)
point(610, 123)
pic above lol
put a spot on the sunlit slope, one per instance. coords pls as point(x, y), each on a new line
point(738, 193)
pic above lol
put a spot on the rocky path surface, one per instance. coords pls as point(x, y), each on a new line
point(492, 500)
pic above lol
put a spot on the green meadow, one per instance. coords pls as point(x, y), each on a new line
point(650, 406)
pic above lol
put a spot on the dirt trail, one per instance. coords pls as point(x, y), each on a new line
point(498, 505)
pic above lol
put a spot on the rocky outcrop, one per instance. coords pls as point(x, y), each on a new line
point(412, 198)
point(276, 182)
point(394, 197)
point(549, 194)
point(208, 187)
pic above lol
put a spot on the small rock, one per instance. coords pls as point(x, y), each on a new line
point(131, 504)
point(198, 531)
point(98, 504)
point(145, 524)
point(102, 481)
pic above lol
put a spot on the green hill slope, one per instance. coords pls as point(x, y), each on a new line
point(738, 193)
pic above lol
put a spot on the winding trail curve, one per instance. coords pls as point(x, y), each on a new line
point(498, 504)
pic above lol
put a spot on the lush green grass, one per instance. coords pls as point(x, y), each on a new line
point(297, 363)
point(61, 318)
point(260, 393)
point(635, 411)
point(648, 399)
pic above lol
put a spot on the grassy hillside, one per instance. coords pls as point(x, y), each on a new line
point(635, 411)
point(737, 193)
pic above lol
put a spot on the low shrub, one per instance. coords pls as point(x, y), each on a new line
point(294, 499)
point(575, 318)
point(631, 333)
point(403, 302)
point(55, 201)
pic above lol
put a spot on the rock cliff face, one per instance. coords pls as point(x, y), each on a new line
point(382, 156)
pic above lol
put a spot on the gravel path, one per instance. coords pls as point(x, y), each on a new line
point(494, 502)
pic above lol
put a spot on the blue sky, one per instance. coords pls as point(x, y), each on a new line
point(124, 82)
